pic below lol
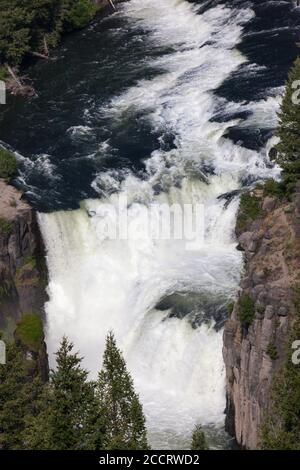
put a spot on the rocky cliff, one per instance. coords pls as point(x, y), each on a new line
point(256, 333)
point(23, 274)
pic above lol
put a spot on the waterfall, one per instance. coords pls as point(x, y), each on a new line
point(163, 302)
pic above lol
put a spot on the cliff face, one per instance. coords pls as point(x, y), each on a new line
point(254, 351)
point(23, 274)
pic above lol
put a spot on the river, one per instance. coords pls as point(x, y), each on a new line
point(169, 102)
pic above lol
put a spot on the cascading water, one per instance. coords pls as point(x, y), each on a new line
point(98, 284)
point(147, 120)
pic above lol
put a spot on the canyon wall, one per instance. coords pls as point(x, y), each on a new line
point(23, 273)
point(256, 333)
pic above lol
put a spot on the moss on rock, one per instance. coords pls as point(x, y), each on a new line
point(8, 164)
point(30, 332)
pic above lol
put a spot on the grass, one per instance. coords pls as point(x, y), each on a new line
point(250, 209)
point(30, 332)
point(5, 227)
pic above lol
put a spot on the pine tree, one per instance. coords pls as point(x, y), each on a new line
point(289, 130)
point(36, 25)
point(121, 418)
point(18, 393)
point(66, 406)
point(15, 22)
point(199, 439)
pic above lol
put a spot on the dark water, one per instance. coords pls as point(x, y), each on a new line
point(94, 65)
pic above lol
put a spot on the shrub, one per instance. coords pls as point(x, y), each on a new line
point(29, 331)
point(8, 164)
point(5, 227)
point(5, 289)
point(273, 188)
point(81, 13)
point(272, 351)
point(230, 308)
point(199, 439)
point(250, 209)
point(3, 73)
point(246, 310)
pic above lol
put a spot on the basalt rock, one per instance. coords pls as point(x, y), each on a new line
point(23, 272)
point(272, 267)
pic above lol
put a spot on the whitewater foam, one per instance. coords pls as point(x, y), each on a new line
point(98, 284)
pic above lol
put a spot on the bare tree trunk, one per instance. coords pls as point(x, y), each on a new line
point(16, 85)
point(112, 4)
point(38, 54)
point(46, 48)
point(14, 76)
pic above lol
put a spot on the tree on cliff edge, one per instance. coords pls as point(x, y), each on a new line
point(289, 130)
point(18, 393)
point(121, 417)
point(62, 420)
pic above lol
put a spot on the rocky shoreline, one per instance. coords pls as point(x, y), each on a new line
point(255, 346)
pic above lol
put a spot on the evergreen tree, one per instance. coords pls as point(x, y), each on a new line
point(35, 25)
point(121, 418)
point(78, 13)
point(65, 409)
point(15, 20)
point(199, 439)
point(289, 130)
point(18, 393)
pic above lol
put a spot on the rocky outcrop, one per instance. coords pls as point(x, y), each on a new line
point(23, 274)
point(255, 341)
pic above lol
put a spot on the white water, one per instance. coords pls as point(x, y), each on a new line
point(98, 284)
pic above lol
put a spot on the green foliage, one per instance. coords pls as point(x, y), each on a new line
point(66, 406)
point(199, 439)
point(18, 394)
point(80, 14)
point(272, 351)
point(5, 227)
point(119, 407)
point(288, 131)
point(28, 26)
point(5, 289)
point(69, 412)
point(230, 308)
point(14, 31)
point(29, 263)
point(8, 164)
point(280, 429)
point(273, 188)
point(29, 331)
point(250, 209)
point(3, 73)
point(246, 310)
